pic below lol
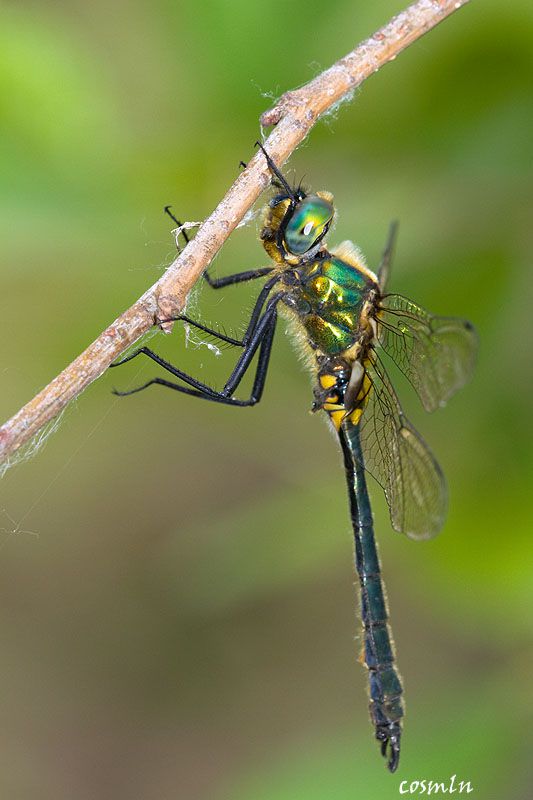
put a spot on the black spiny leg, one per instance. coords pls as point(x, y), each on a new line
point(279, 180)
point(178, 224)
point(227, 280)
point(238, 277)
point(262, 338)
point(256, 312)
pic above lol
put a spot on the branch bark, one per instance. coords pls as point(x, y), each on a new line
point(293, 117)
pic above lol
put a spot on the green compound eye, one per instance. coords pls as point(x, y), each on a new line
point(307, 224)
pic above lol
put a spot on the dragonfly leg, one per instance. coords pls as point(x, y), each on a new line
point(278, 180)
point(238, 277)
point(184, 318)
point(262, 339)
point(183, 232)
point(256, 312)
point(226, 280)
point(146, 350)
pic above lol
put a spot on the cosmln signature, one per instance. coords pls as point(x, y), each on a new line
point(425, 786)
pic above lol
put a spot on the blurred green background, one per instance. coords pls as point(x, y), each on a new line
point(177, 609)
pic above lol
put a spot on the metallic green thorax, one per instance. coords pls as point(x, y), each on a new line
point(329, 302)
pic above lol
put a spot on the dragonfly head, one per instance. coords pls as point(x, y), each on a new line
point(295, 222)
point(295, 225)
point(306, 224)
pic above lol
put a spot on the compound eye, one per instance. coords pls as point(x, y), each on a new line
point(307, 224)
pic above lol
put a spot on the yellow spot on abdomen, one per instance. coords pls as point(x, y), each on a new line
point(327, 381)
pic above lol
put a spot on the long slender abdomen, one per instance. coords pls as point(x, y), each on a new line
point(385, 686)
point(386, 707)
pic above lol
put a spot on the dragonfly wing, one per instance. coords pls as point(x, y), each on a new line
point(399, 459)
point(436, 354)
point(386, 258)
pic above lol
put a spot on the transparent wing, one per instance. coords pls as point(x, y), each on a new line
point(399, 459)
point(436, 354)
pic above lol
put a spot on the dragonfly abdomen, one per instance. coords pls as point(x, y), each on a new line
point(385, 688)
point(386, 705)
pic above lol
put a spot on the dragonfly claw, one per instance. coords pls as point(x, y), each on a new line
point(389, 737)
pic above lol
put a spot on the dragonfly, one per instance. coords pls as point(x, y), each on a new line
point(351, 329)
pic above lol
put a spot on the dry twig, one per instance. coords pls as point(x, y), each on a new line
point(293, 116)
